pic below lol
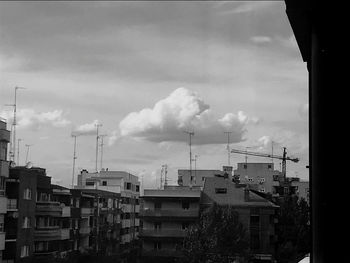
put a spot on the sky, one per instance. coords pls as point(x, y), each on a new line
point(149, 72)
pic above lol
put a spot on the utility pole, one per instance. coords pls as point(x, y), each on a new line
point(97, 137)
point(18, 151)
point(272, 151)
point(27, 145)
point(228, 147)
point(195, 168)
point(102, 136)
point(14, 124)
point(190, 135)
point(74, 157)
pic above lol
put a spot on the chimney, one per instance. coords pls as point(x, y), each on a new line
point(246, 195)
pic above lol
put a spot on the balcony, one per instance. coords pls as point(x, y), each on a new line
point(162, 253)
point(2, 241)
point(4, 135)
point(4, 168)
point(174, 213)
point(47, 233)
point(179, 233)
point(86, 211)
point(52, 209)
point(137, 222)
point(12, 205)
point(44, 255)
point(137, 208)
point(65, 233)
point(126, 223)
point(3, 205)
point(84, 231)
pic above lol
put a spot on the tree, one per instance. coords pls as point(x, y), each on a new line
point(219, 236)
point(293, 229)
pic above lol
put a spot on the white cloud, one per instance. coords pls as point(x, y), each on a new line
point(86, 129)
point(261, 39)
point(30, 119)
point(183, 110)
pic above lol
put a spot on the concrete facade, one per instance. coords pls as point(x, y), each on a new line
point(166, 214)
point(4, 173)
point(197, 177)
point(259, 176)
point(257, 214)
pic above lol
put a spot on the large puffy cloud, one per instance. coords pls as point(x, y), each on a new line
point(30, 119)
point(183, 110)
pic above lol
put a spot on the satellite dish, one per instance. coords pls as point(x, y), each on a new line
point(29, 165)
point(12, 164)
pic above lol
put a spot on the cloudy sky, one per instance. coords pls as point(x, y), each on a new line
point(148, 71)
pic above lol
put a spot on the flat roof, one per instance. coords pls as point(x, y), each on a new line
point(196, 193)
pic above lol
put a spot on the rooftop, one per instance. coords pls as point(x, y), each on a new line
point(173, 192)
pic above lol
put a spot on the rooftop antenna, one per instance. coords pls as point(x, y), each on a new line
point(190, 135)
point(97, 125)
point(228, 147)
point(272, 152)
point(74, 157)
point(163, 176)
point(18, 141)
point(13, 128)
point(195, 168)
point(28, 145)
point(102, 136)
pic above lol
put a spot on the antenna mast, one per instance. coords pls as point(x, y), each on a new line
point(74, 158)
point(102, 136)
point(18, 151)
point(228, 147)
point(190, 135)
point(14, 124)
point(97, 137)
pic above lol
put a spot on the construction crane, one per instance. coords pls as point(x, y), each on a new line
point(284, 158)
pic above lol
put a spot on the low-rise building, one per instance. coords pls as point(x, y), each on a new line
point(166, 214)
point(257, 214)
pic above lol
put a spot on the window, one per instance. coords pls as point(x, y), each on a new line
point(254, 221)
point(24, 251)
point(244, 166)
point(104, 183)
point(157, 205)
point(220, 190)
point(157, 226)
point(269, 166)
point(89, 183)
point(185, 205)
point(157, 246)
point(26, 222)
point(137, 188)
point(2, 224)
point(203, 178)
point(27, 194)
point(185, 225)
point(77, 202)
point(128, 186)
point(275, 177)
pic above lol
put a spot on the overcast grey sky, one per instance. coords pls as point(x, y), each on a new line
point(147, 71)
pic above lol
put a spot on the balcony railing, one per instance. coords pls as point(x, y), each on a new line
point(4, 168)
point(162, 233)
point(85, 230)
point(52, 209)
point(162, 253)
point(86, 211)
point(12, 205)
point(174, 213)
point(47, 233)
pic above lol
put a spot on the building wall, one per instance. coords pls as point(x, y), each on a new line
point(261, 176)
point(302, 189)
point(184, 176)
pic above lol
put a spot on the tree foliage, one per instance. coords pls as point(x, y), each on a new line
point(293, 229)
point(219, 236)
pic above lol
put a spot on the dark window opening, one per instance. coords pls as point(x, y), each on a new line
point(220, 190)
point(185, 205)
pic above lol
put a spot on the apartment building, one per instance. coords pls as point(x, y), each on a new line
point(259, 176)
point(32, 221)
point(128, 186)
point(257, 214)
point(166, 214)
point(196, 177)
point(4, 173)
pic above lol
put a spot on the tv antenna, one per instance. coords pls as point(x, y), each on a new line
point(102, 136)
point(18, 141)
point(28, 146)
point(190, 143)
point(97, 125)
point(13, 127)
point(228, 147)
point(74, 157)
